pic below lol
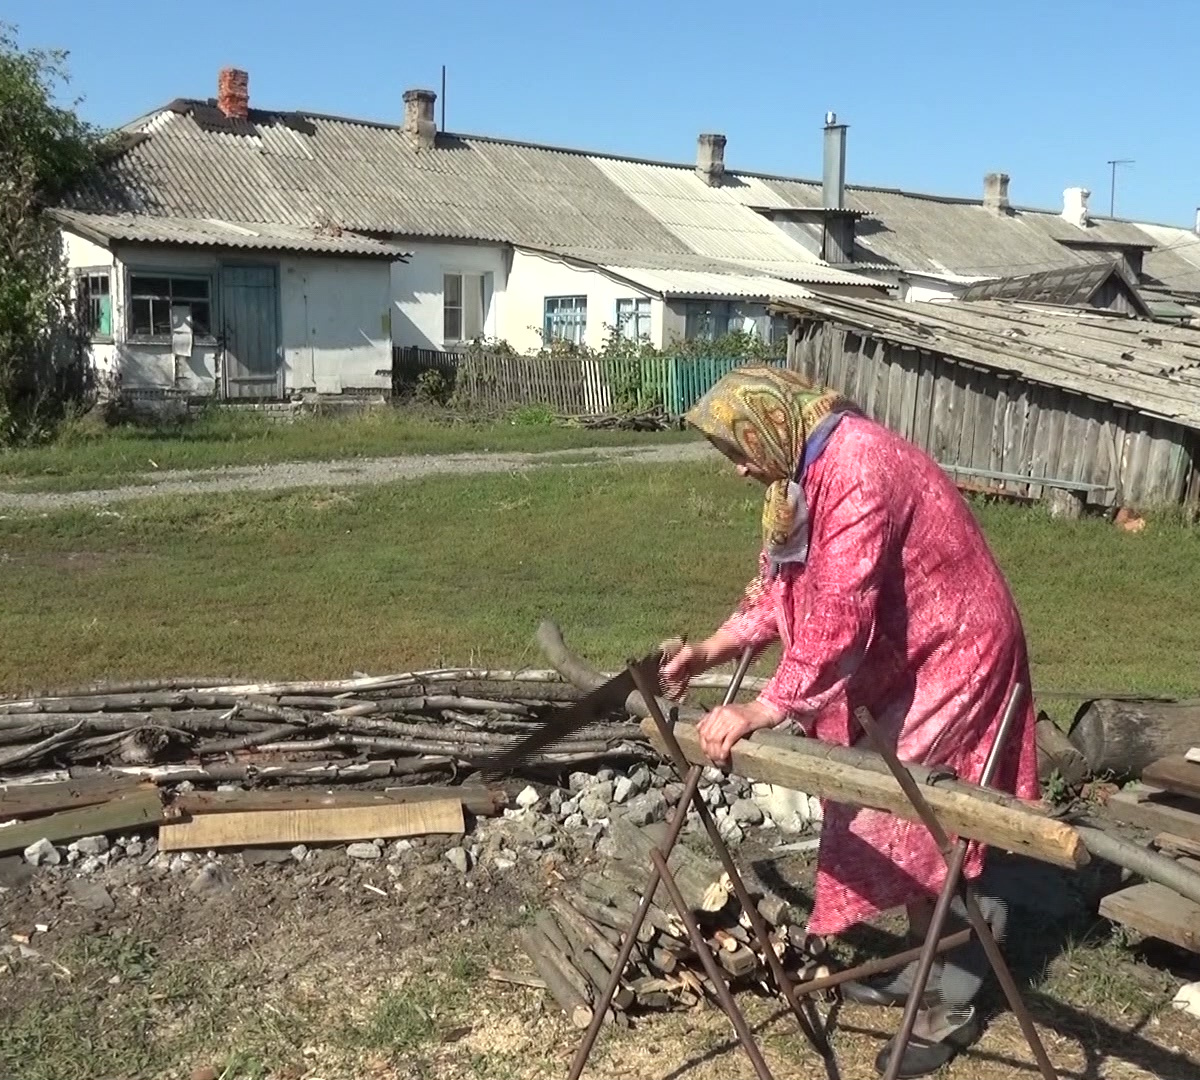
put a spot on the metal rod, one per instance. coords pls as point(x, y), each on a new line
point(745, 1036)
point(809, 1025)
point(690, 789)
point(954, 862)
point(878, 967)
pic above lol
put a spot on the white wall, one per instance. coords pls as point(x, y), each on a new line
point(334, 316)
point(417, 288)
point(82, 253)
point(535, 277)
point(336, 325)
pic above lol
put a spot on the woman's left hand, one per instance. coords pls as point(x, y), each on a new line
point(726, 724)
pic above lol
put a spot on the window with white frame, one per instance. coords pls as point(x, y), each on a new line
point(633, 318)
point(153, 296)
point(95, 301)
point(462, 308)
point(565, 319)
point(707, 320)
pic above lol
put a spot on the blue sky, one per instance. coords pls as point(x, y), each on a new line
point(936, 92)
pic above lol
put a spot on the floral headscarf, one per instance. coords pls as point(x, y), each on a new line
point(777, 420)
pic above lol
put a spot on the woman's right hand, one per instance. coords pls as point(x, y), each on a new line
point(682, 664)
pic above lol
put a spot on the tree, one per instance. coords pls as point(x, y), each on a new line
point(45, 150)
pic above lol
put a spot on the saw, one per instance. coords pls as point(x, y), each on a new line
point(597, 703)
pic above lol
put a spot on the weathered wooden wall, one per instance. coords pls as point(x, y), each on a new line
point(968, 416)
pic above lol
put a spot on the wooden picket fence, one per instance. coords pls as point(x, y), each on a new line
point(571, 385)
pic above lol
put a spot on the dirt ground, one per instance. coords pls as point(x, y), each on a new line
point(332, 968)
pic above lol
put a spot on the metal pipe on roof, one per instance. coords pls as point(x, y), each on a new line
point(833, 185)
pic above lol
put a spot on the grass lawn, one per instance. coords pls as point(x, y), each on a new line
point(459, 570)
point(89, 456)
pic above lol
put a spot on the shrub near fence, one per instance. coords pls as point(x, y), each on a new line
point(571, 385)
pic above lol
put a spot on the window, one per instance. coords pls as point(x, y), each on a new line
point(462, 308)
point(708, 320)
point(152, 298)
point(95, 299)
point(633, 319)
point(566, 319)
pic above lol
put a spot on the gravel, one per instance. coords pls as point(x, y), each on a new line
point(349, 473)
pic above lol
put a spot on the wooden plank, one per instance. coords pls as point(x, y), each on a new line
point(1177, 845)
point(1193, 755)
point(1155, 911)
point(30, 800)
point(861, 778)
point(1150, 808)
point(1174, 774)
point(140, 808)
point(266, 828)
point(481, 801)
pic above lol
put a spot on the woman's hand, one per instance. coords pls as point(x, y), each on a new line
point(685, 662)
point(726, 724)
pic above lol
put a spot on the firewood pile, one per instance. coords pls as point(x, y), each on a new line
point(215, 731)
point(574, 940)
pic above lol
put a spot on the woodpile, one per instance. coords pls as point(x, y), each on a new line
point(574, 940)
point(368, 728)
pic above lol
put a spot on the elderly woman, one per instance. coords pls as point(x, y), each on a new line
point(879, 586)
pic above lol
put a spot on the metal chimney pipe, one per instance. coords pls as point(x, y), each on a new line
point(833, 187)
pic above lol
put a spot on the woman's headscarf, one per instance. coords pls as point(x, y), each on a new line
point(779, 421)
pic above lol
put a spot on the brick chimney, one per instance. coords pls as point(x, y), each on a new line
point(995, 193)
point(233, 93)
point(710, 159)
point(419, 124)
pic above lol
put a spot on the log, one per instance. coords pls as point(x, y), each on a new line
point(1174, 774)
point(544, 923)
point(315, 772)
point(479, 800)
point(138, 809)
point(604, 916)
point(1142, 861)
point(284, 828)
point(694, 874)
point(1056, 753)
point(738, 963)
point(582, 933)
point(1123, 737)
point(861, 778)
point(1177, 845)
point(549, 967)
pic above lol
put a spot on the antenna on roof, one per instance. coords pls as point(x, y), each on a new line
point(1112, 189)
point(443, 97)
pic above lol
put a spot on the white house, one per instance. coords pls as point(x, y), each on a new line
point(245, 252)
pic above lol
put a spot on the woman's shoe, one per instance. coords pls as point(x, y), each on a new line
point(947, 1031)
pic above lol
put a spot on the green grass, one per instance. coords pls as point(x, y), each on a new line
point(90, 456)
point(460, 569)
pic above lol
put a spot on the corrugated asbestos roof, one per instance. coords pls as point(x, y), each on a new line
point(678, 284)
point(189, 163)
point(1151, 367)
point(199, 232)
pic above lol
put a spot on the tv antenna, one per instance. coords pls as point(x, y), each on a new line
point(1112, 187)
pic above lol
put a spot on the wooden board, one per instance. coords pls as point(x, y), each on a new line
point(861, 778)
point(29, 800)
point(138, 809)
point(1156, 911)
point(479, 800)
point(1177, 845)
point(1147, 807)
point(266, 828)
point(1174, 774)
point(1193, 755)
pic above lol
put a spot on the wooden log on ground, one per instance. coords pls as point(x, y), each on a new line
point(549, 967)
point(310, 772)
point(604, 916)
point(1142, 861)
point(695, 875)
point(1056, 753)
point(861, 778)
point(138, 809)
point(740, 962)
point(1177, 845)
point(620, 887)
point(1123, 737)
point(545, 924)
point(582, 933)
point(1174, 774)
point(480, 801)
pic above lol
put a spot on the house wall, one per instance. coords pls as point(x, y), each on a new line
point(968, 417)
point(333, 320)
point(416, 288)
point(82, 253)
point(534, 278)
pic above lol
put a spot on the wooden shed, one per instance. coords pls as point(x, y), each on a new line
point(1029, 399)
